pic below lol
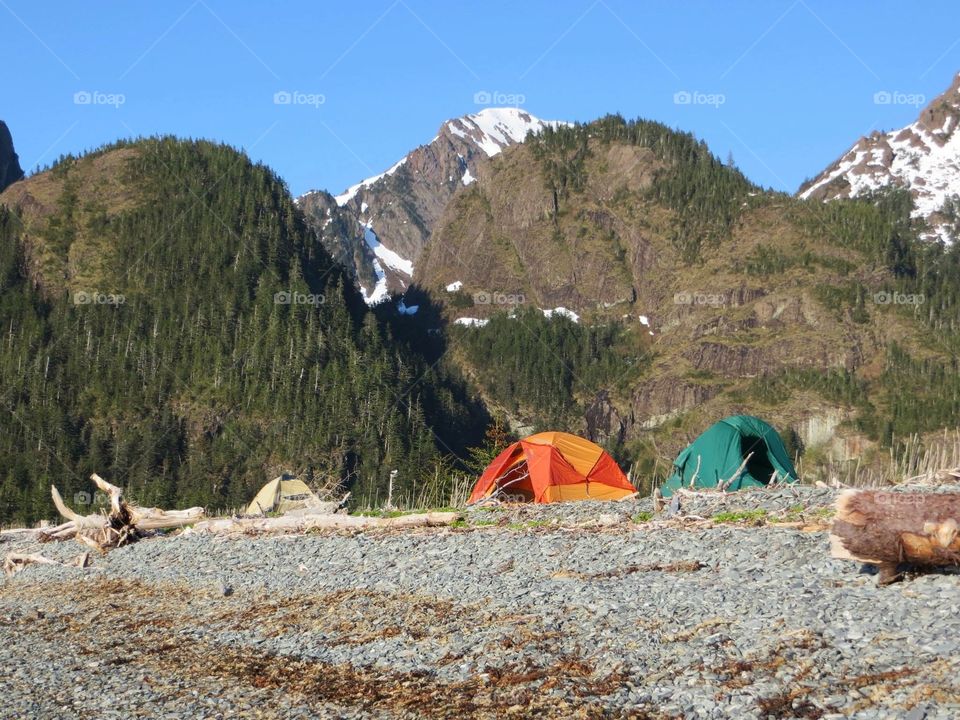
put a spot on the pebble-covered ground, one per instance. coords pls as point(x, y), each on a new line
point(730, 608)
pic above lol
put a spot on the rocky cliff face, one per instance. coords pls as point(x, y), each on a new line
point(343, 236)
point(923, 157)
point(394, 213)
point(10, 170)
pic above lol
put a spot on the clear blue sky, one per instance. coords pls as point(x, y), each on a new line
point(797, 77)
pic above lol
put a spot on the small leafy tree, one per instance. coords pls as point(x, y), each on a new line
point(496, 439)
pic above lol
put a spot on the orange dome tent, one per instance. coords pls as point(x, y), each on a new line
point(553, 467)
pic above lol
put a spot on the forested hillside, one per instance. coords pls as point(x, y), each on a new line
point(169, 322)
point(707, 294)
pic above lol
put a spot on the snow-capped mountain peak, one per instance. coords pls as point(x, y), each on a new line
point(490, 131)
point(394, 212)
point(923, 157)
point(493, 129)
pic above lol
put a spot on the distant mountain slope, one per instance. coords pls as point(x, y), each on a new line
point(923, 157)
point(718, 297)
point(10, 170)
point(170, 322)
point(394, 212)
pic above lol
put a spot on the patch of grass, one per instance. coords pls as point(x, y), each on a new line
point(538, 523)
point(642, 517)
point(484, 523)
point(737, 516)
point(383, 513)
point(794, 512)
point(529, 524)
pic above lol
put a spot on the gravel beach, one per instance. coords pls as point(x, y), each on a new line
point(731, 609)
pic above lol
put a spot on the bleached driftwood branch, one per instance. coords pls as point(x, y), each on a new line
point(124, 523)
point(724, 484)
point(696, 472)
point(935, 477)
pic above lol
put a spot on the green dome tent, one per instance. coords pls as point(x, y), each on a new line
point(721, 450)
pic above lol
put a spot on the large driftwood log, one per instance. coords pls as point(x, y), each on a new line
point(303, 523)
point(123, 524)
point(888, 529)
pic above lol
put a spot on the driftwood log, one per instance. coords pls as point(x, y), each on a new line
point(304, 523)
point(889, 529)
point(123, 524)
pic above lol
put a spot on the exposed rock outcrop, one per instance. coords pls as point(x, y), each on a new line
point(10, 170)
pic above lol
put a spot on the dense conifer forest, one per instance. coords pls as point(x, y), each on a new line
point(210, 343)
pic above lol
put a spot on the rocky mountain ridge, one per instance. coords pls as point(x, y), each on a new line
point(923, 157)
point(389, 217)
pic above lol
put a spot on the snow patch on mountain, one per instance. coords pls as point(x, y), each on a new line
point(382, 256)
point(380, 291)
point(404, 309)
point(386, 256)
point(561, 312)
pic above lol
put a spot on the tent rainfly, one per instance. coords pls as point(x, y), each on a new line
point(281, 495)
point(739, 451)
point(553, 467)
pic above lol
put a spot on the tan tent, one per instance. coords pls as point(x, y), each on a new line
point(281, 495)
